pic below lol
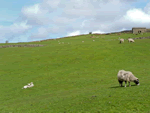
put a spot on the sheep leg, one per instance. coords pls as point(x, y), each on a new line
point(129, 84)
point(125, 83)
point(120, 82)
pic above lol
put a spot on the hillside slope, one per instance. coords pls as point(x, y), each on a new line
point(75, 77)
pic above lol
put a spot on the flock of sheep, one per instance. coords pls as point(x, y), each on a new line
point(70, 42)
point(123, 76)
point(127, 76)
point(129, 40)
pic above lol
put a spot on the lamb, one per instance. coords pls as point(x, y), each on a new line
point(28, 86)
point(130, 40)
point(127, 76)
point(31, 85)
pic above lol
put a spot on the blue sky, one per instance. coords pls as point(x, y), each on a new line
point(31, 20)
point(10, 10)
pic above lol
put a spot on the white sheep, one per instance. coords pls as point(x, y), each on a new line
point(31, 85)
point(121, 40)
point(130, 40)
point(82, 41)
point(93, 40)
point(127, 76)
point(28, 86)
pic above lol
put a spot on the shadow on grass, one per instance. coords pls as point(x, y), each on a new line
point(122, 86)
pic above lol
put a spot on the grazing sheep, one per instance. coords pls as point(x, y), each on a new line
point(93, 40)
point(121, 40)
point(130, 40)
point(82, 41)
point(127, 76)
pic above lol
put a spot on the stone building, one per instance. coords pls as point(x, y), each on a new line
point(136, 30)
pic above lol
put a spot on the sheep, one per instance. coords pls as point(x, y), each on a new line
point(93, 40)
point(28, 86)
point(121, 40)
point(31, 85)
point(127, 76)
point(82, 41)
point(130, 40)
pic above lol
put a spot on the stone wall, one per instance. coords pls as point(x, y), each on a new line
point(141, 38)
point(22, 45)
point(147, 30)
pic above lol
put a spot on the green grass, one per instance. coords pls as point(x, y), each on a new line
point(77, 77)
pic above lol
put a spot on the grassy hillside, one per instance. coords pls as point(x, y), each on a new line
point(76, 77)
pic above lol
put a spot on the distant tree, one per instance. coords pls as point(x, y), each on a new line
point(6, 41)
point(90, 32)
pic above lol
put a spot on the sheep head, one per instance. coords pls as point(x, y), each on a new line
point(137, 81)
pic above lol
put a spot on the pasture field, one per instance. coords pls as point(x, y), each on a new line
point(76, 77)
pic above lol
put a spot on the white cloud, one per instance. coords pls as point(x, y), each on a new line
point(19, 28)
point(98, 31)
point(51, 4)
point(36, 15)
point(74, 17)
point(137, 16)
point(74, 33)
point(32, 10)
point(78, 32)
point(42, 33)
point(88, 8)
point(63, 20)
point(94, 13)
point(147, 8)
point(15, 30)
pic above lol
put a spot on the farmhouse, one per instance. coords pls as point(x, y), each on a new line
point(136, 30)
